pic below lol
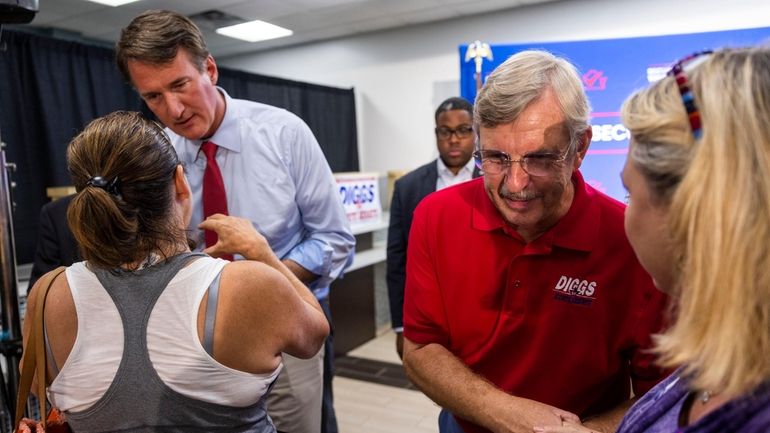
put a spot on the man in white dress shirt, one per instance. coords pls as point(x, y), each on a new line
point(273, 173)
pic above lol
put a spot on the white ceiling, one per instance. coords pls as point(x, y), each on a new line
point(311, 20)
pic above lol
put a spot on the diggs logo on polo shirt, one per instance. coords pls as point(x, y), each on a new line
point(575, 290)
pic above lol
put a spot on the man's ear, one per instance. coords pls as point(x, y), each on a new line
point(582, 147)
point(210, 66)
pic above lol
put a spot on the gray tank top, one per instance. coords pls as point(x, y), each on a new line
point(138, 400)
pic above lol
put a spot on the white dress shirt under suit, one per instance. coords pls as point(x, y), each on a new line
point(446, 178)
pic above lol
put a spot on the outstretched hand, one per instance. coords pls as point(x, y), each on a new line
point(521, 415)
point(237, 236)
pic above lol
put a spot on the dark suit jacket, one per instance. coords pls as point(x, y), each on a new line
point(408, 191)
point(55, 244)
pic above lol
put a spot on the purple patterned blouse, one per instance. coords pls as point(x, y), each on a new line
point(658, 411)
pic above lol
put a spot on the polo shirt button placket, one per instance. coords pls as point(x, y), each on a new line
point(515, 298)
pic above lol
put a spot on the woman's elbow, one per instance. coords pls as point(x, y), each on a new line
point(310, 338)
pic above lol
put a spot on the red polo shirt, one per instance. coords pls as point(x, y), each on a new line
point(564, 320)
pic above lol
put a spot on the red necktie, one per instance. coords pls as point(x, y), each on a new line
point(214, 196)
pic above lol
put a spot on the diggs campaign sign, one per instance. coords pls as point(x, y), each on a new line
point(611, 70)
point(360, 195)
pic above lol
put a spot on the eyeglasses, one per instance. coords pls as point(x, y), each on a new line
point(495, 162)
point(462, 131)
point(678, 71)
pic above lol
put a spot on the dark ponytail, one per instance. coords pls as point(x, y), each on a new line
point(123, 168)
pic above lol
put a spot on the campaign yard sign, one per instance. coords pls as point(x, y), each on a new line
point(360, 196)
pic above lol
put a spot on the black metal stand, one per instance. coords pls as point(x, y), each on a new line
point(10, 337)
point(11, 351)
point(21, 11)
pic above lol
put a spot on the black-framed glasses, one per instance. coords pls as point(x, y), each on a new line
point(679, 72)
point(462, 131)
point(538, 164)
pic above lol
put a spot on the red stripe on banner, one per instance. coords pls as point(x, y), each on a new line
point(622, 151)
point(605, 114)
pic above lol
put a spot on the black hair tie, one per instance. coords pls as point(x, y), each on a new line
point(112, 187)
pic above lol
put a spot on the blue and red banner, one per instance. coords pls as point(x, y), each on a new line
point(611, 70)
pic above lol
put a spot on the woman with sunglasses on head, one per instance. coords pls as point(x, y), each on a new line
point(698, 178)
point(145, 335)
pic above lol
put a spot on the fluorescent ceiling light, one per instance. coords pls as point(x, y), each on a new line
point(254, 31)
point(113, 3)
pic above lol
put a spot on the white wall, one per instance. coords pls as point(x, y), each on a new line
point(400, 76)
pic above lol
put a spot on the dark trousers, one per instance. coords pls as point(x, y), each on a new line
point(328, 417)
point(447, 423)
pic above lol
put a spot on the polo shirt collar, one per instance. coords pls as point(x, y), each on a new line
point(227, 135)
point(577, 230)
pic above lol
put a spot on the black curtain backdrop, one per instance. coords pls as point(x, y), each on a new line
point(329, 112)
point(50, 89)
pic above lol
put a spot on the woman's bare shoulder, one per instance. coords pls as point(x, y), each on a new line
point(246, 279)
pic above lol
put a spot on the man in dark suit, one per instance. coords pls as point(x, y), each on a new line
point(55, 244)
point(454, 140)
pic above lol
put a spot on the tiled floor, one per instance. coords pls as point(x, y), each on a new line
point(382, 348)
point(383, 373)
point(367, 407)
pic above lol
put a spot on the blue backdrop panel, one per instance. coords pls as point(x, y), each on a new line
point(611, 70)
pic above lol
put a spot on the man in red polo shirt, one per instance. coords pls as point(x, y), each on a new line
point(525, 304)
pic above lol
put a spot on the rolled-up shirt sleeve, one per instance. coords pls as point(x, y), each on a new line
point(327, 247)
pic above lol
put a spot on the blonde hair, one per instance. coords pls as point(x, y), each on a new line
point(717, 190)
point(521, 80)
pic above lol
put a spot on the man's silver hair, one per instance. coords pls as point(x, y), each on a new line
point(521, 80)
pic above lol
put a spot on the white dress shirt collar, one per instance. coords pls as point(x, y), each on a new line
point(227, 135)
point(447, 178)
